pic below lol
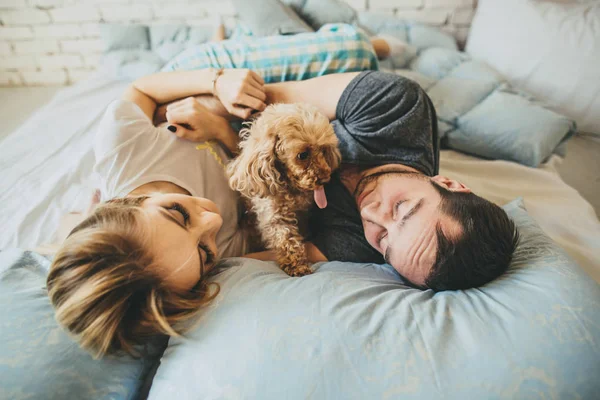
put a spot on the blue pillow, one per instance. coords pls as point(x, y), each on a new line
point(124, 37)
point(269, 17)
point(355, 331)
point(38, 360)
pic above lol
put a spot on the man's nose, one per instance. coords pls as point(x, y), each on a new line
point(375, 213)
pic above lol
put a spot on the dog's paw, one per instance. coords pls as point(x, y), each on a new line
point(297, 270)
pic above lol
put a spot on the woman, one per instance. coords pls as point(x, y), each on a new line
point(137, 266)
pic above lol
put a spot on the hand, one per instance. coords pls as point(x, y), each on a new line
point(241, 91)
point(191, 120)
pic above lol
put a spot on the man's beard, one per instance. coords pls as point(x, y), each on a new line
point(365, 180)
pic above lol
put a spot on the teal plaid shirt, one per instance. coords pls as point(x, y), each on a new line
point(334, 48)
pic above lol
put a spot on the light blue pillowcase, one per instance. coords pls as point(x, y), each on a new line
point(124, 37)
point(38, 360)
point(354, 331)
point(269, 17)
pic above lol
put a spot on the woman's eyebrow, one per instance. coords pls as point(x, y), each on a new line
point(168, 215)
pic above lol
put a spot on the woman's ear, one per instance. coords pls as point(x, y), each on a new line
point(253, 172)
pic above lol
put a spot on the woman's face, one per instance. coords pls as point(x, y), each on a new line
point(182, 231)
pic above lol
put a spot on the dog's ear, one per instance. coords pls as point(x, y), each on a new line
point(253, 173)
point(333, 157)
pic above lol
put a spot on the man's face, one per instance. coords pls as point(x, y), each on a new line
point(400, 216)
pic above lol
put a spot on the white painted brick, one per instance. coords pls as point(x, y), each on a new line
point(133, 12)
point(385, 11)
point(12, 3)
point(5, 48)
point(79, 74)
point(60, 61)
point(209, 23)
point(45, 77)
point(179, 10)
point(102, 2)
point(51, 3)
point(36, 47)
point(375, 5)
point(58, 31)
point(90, 30)
point(84, 46)
point(75, 14)
point(23, 17)
point(10, 78)
point(92, 60)
point(158, 21)
point(449, 3)
point(430, 17)
point(17, 62)
point(220, 7)
point(16, 32)
point(462, 17)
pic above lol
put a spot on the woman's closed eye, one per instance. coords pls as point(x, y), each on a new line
point(181, 213)
point(210, 256)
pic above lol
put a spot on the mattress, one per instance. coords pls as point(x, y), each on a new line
point(46, 173)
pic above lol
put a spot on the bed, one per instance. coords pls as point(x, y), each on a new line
point(347, 331)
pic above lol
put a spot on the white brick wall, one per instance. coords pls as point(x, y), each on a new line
point(57, 42)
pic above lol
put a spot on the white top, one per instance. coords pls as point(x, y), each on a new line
point(130, 152)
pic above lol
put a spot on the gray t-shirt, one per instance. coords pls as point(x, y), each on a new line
point(382, 118)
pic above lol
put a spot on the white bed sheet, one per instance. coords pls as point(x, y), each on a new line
point(46, 164)
point(46, 172)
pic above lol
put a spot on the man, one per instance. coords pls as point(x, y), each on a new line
point(387, 203)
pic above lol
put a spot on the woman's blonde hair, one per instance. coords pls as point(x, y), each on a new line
point(104, 289)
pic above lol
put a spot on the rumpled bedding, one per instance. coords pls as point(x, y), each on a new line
point(479, 113)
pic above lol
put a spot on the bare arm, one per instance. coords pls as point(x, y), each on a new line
point(309, 91)
point(323, 92)
point(313, 253)
point(239, 91)
point(163, 87)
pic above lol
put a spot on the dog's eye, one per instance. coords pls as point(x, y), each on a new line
point(304, 155)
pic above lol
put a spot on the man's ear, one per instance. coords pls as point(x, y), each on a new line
point(451, 184)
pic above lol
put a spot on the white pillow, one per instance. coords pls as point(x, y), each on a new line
point(550, 49)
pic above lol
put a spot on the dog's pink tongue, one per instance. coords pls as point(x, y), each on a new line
point(320, 198)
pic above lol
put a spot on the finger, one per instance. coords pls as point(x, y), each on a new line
point(181, 131)
point(177, 116)
point(251, 81)
point(175, 104)
point(241, 112)
point(248, 101)
point(256, 77)
point(256, 93)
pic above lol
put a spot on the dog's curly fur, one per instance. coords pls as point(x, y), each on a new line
point(287, 152)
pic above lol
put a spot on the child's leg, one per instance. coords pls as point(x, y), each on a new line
point(395, 49)
point(219, 34)
point(334, 48)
